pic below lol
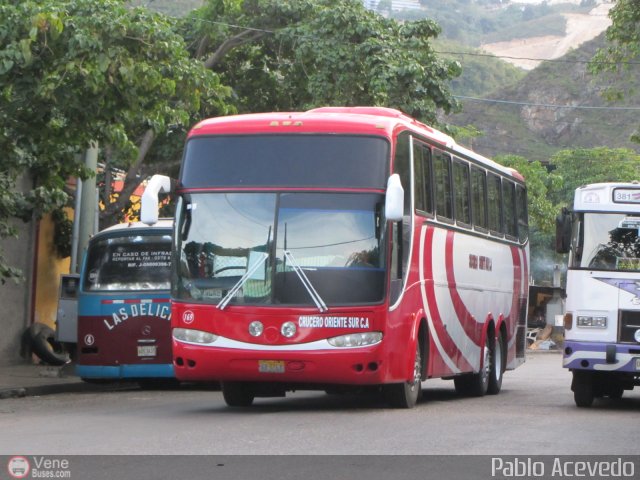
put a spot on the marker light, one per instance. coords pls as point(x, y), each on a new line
point(356, 339)
point(193, 336)
point(288, 329)
point(592, 322)
point(256, 328)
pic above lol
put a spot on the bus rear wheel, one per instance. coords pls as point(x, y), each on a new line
point(477, 384)
point(238, 394)
point(497, 366)
point(407, 394)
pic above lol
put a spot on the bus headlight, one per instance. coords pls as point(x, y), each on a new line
point(592, 322)
point(256, 328)
point(193, 336)
point(356, 339)
point(288, 329)
point(636, 335)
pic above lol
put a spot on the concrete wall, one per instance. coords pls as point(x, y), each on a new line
point(15, 298)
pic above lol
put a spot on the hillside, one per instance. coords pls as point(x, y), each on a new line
point(537, 130)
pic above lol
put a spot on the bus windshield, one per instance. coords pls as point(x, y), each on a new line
point(310, 249)
point(610, 242)
point(129, 263)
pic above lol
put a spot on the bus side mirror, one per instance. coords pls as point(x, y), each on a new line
point(563, 231)
point(149, 203)
point(394, 201)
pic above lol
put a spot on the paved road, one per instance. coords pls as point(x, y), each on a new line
point(534, 414)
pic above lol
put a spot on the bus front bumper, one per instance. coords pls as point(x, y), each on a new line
point(158, 370)
point(603, 357)
point(348, 366)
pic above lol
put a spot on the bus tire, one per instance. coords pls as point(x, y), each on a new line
point(44, 345)
point(583, 389)
point(406, 394)
point(237, 394)
point(497, 366)
point(477, 384)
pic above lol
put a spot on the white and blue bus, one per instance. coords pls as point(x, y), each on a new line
point(602, 319)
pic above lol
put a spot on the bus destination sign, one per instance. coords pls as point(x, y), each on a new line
point(626, 195)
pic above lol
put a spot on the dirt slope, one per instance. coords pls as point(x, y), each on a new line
point(580, 28)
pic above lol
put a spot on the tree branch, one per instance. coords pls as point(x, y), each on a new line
point(131, 180)
point(246, 36)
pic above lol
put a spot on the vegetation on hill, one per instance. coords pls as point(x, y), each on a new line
point(545, 111)
point(474, 23)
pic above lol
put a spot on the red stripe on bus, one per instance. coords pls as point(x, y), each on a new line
point(448, 344)
point(471, 326)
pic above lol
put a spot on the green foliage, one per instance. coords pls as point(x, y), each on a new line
point(481, 74)
point(476, 23)
point(301, 54)
point(77, 71)
point(623, 51)
point(582, 166)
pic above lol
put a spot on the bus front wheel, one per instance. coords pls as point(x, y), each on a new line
point(583, 388)
point(407, 394)
point(237, 394)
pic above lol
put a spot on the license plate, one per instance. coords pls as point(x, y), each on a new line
point(271, 366)
point(147, 350)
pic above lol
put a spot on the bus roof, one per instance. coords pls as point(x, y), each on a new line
point(352, 120)
point(608, 197)
point(163, 223)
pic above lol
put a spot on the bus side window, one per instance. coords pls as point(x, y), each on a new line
point(523, 216)
point(401, 232)
point(509, 201)
point(494, 203)
point(461, 191)
point(422, 178)
point(442, 185)
point(479, 197)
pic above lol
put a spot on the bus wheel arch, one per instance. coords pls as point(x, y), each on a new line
point(407, 394)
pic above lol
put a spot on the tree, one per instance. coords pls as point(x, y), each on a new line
point(542, 211)
point(76, 71)
point(294, 55)
point(623, 51)
point(582, 166)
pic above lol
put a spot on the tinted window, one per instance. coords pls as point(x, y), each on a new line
point(478, 197)
point(136, 262)
point(509, 200)
point(494, 202)
point(422, 172)
point(462, 193)
point(521, 206)
point(285, 160)
point(442, 184)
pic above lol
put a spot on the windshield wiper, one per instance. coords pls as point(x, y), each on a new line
point(317, 299)
point(250, 271)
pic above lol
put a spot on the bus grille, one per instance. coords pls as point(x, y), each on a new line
point(629, 323)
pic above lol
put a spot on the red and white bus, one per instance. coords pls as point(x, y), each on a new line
point(344, 247)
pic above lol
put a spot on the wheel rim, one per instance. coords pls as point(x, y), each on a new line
point(486, 370)
point(417, 370)
point(497, 359)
